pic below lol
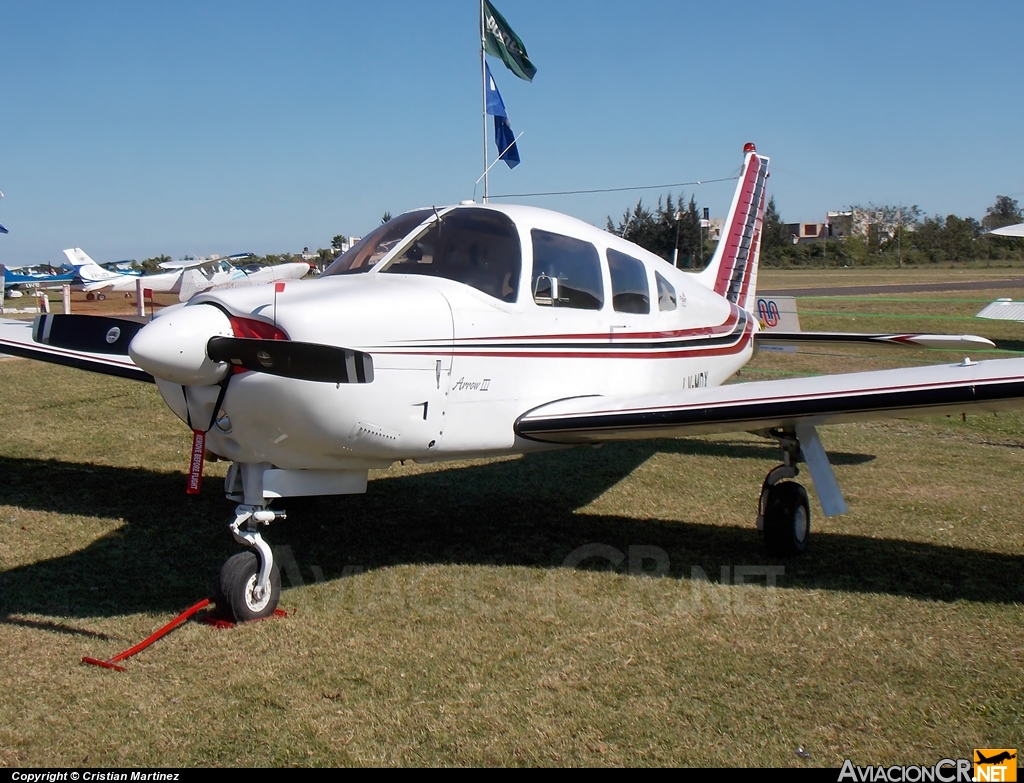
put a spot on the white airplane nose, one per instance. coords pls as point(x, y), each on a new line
point(173, 346)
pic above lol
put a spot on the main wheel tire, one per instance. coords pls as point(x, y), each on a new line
point(237, 584)
point(787, 520)
point(101, 297)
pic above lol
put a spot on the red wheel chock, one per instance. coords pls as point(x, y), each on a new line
point(221, 625)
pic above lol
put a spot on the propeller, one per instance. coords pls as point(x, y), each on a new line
point(92, 333)
point(288, 359)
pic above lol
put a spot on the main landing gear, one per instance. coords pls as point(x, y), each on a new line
point(250, 582)
point(783, 512)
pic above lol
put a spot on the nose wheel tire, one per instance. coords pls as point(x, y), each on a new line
point(238, 594)
point(787, 520)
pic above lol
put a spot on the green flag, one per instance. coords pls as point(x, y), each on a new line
point(501, 41)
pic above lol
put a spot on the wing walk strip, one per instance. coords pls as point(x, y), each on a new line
point(755, 413)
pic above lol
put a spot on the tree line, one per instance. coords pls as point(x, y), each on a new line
point(891, 234)
point(670, 230)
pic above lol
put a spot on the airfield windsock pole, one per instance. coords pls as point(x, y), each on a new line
point(483, 92)
point(65, 296)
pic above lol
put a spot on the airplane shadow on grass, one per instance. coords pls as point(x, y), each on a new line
point(515, 512)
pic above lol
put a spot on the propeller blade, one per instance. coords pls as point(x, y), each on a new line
point(303, 361)
point(92, 333)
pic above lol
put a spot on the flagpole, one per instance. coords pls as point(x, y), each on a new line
point(483, 93)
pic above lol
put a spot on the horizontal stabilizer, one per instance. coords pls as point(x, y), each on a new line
point(949, 342)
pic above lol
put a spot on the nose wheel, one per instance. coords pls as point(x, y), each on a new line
point(249, 587)
point(241, 592)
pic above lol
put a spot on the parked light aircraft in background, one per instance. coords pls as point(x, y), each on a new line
point(185, 278)
point(12, 277)
point(481, 330)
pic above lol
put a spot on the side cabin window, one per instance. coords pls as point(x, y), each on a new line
point(566, 272)
point(666, 293)
point(630, 291)
point(478, 247)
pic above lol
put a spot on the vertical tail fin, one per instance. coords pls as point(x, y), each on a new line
point(78, 257)
point(87, 269)
point(732, 272)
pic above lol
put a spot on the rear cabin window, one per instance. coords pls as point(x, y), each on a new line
point(566, 272)
point(478, 247)
point(630, 290)
point(666, 293)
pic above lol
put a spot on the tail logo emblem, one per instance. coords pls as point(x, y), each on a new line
point(768, 312)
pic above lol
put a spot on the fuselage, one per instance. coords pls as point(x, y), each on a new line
point(460, 353)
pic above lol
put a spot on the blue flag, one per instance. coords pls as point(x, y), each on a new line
point(504, 138)
point(3, 230)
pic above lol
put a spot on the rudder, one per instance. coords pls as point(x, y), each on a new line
point(732, 272)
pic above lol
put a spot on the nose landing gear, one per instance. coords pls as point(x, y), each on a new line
point(249, 587)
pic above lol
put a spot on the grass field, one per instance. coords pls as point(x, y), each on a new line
point(438, 620)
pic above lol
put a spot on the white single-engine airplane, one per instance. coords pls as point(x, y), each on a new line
point(481, 330)
point(185, 278)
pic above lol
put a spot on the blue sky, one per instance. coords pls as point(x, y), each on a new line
point(132, 129)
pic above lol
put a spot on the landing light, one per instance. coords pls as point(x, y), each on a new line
point(223, 422)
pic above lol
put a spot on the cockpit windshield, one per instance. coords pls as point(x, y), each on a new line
point(477, 247)
point(362, 256)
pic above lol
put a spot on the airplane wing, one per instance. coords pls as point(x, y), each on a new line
point(190, 263)
point(991, 385)
point(29, 339)
point(1003, 310)
point(1009, 231)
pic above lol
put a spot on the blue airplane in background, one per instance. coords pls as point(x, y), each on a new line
point(29, 279)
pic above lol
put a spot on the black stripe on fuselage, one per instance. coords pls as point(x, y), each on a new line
point(613, 343)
